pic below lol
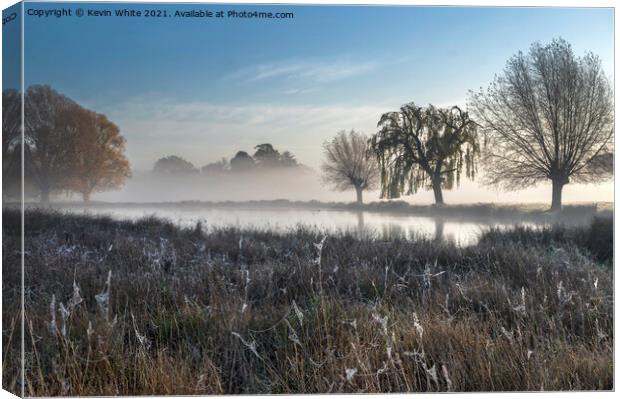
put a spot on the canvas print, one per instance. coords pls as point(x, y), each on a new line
point(210, 198)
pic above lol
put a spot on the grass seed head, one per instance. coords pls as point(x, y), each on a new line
point(350, 373)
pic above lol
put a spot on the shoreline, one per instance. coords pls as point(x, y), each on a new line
point(463, 212)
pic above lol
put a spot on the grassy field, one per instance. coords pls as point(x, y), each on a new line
point(147, 308)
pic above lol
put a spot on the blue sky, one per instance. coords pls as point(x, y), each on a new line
point(11, 47)
point(203, 88)
point(342, 54)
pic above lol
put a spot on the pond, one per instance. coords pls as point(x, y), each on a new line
point(462, 232)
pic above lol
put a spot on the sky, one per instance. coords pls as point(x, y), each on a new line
point(204, 88)
point(11, 48)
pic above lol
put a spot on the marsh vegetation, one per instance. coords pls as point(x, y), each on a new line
point(145, 307)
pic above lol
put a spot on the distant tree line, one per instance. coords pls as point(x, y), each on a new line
point(548, 117)
point(265, 158)
point(66, 147)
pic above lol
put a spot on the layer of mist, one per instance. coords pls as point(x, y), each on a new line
point(296, 184)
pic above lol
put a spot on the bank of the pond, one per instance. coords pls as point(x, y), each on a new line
point(461, 224)
point(453, 211)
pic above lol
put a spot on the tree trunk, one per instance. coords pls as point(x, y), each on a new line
point(556, 199)
point(358, 191)
point(437, 191)
point(86, 197)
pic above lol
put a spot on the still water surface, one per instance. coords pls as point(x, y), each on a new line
point(386, 225)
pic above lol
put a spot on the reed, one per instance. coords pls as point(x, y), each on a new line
point(143, 307)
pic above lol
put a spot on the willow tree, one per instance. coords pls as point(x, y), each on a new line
point(424, 148)
point(549, 116)
point(349, 164)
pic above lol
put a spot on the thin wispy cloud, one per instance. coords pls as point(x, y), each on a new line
point(291, 92)
point(306, 71)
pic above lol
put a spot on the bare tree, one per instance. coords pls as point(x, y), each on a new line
point(549, 116)
point(348, 163)
point(424, 147)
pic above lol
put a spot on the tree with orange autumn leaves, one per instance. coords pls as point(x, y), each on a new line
point(68, 147)
point(99, 161)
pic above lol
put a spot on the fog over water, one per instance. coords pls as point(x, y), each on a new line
point(149, 194)
point(305, 184)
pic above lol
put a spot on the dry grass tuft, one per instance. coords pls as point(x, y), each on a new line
point(148, 308)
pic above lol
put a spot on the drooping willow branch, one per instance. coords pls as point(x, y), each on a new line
point(424, 147)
